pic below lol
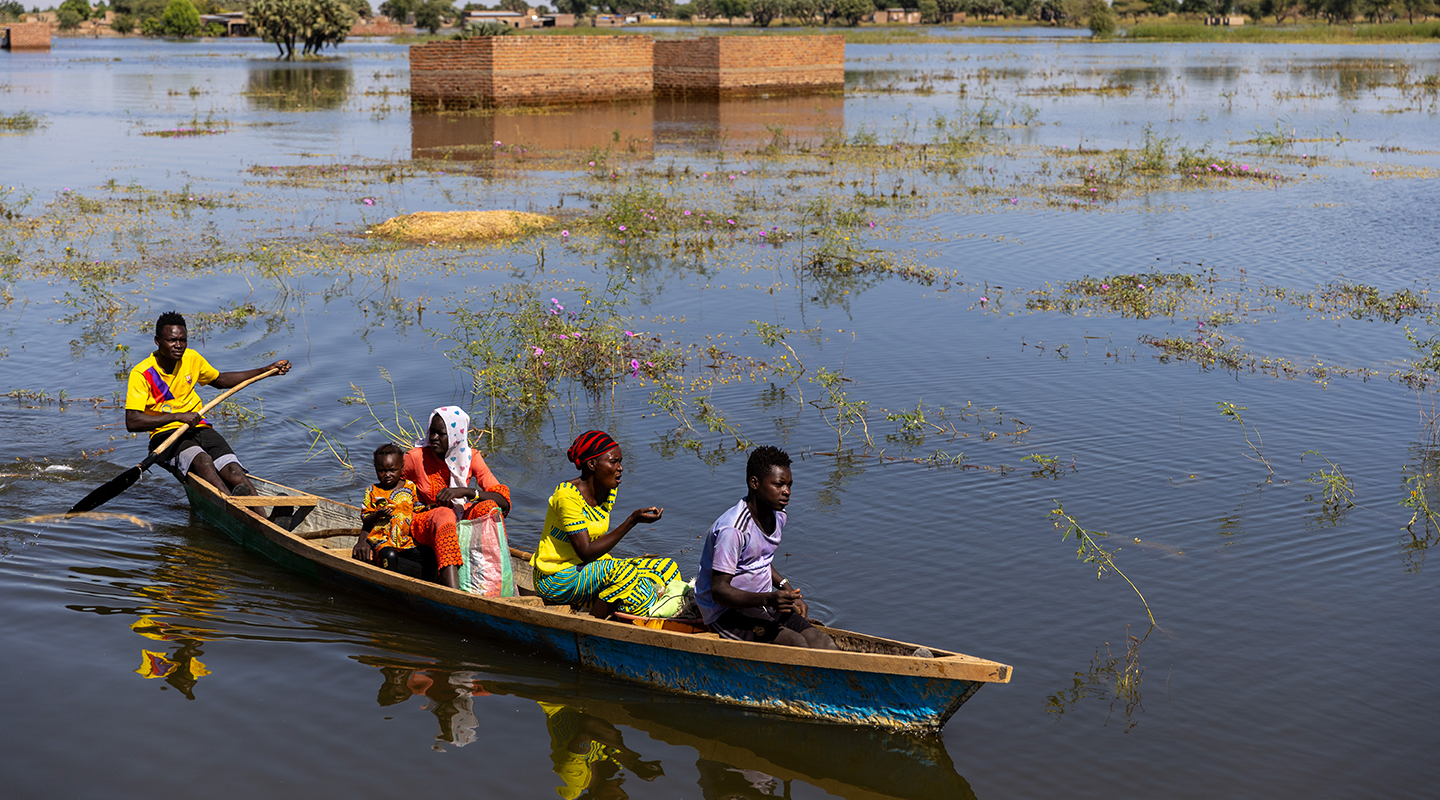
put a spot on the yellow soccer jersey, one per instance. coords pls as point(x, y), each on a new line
point(154, 392)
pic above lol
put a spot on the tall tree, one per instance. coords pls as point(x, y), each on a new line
point(398, 10)
point(849, 12)
point(80, 8)
point(180, 19)
point(431, 14)
point(310, 23)
point(1412, 7)
point(763, 12)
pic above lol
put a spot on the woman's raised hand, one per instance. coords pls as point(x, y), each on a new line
point(646, 515)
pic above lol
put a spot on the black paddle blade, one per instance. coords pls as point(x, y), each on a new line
point(108, 492)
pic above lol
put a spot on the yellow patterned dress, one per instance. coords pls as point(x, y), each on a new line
point(631, 585)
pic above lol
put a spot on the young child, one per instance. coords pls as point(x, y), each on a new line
point(389, 508)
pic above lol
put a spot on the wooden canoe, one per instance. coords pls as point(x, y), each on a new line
point(869, 681)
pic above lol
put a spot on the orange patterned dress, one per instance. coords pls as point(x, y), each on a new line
point(435, 528)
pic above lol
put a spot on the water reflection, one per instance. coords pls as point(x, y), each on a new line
point(298, 88)
point(633, 128)
point(590, 755)
point(449, 695)
point(181, 668)
point(1108, 677)
point(739, 754)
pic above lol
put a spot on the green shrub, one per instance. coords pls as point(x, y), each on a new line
point(1100, 19)
point(476, 30)
point(122, 24)
point(180, 19)
point(69, 20)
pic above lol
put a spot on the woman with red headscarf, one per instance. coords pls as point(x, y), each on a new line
point(572, 562)
point(442, 471)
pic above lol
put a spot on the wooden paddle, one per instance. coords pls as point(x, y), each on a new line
point(126, 479)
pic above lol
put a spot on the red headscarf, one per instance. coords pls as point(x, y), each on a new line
point(589, 445)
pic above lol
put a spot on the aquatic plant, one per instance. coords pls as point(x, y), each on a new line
point(842, 414)
point(519, 347)
point(401, 428)
point(1136, 295)
point(1257, 447)
point(21, 122)
point(1047, 466)
point(178, 133)
point(1336, 491)
point(1206, 347)
point(1090, 551)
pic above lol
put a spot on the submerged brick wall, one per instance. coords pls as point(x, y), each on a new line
point(27, 36)
point(531, 70)
point(730, 65)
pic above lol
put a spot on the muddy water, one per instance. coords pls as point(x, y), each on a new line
point(1296, 642)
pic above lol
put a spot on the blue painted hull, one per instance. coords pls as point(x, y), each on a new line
point(718, 671)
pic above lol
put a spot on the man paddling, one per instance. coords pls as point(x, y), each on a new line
point(160, 397)
point(740, 593)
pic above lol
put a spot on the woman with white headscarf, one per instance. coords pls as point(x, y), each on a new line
point(442, 470)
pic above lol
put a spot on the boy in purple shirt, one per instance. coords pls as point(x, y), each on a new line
point(739, 591)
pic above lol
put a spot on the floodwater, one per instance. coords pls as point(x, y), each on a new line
point(1297, 640)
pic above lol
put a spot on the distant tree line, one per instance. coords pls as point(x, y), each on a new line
point(1081, 12)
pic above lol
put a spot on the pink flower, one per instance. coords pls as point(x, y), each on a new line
point(564, 234)
point(731, 221)
point(539, 351)
point(631, 334)
point(1105, 286)
point(634, 368)
point(622, 227)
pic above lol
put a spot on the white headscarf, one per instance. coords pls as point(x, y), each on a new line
point(457, 459)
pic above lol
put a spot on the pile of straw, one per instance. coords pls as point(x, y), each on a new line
point(460, 226)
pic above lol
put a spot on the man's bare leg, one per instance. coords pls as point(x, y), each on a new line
point(203, 467)
point(235, 477)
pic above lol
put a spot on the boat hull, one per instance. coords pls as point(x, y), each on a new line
point(815, 691)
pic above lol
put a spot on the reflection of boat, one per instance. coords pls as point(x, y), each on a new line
point(868, 681)
point(734, 747)
point(855, 763)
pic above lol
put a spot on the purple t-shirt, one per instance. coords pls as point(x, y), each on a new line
point(736, 546)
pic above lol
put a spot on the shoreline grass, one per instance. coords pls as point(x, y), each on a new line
point(1159, 31)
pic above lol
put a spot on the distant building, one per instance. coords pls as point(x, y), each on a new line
point(25, 36)
point(896, 16)
point(232, 21)
point(507, 18)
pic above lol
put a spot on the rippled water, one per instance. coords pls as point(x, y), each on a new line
point(1296, 645)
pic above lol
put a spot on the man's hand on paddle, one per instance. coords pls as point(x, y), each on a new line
point(225, 380)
